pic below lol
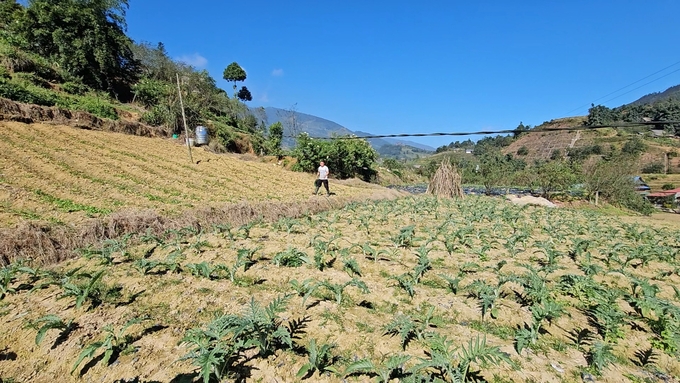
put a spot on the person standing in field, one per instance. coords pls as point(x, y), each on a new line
point(322, 178)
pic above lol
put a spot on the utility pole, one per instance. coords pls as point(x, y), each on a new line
point(184, 118)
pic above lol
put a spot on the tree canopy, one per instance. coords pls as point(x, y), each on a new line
point(85, 38)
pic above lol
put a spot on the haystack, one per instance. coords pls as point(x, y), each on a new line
point(446, 182)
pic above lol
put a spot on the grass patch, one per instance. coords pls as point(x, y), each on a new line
point(68, 206)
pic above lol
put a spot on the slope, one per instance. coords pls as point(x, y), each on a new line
point(64, 189)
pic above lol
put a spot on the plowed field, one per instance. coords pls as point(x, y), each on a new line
point(62, 174)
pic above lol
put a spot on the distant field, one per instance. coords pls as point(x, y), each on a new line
point(656, 181)
point(61, 174)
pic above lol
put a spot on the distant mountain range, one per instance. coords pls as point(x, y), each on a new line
point(295, 123)
point(670, 93)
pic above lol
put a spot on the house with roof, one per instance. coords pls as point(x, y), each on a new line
point(664, 196)
point(641, 185)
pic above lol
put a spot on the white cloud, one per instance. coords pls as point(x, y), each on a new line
point(277, 72)
point(195, 60)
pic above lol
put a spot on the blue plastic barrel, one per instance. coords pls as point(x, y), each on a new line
point(201, 135)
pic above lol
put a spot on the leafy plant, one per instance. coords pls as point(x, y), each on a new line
point(410, 327)
point(114, 343)
point(320, 359)
point(452, 364)
point(406, 282)
point(600, 356)
point(291, 257)
point(405, 237)
point(202, 269)
point(90, 290)
point(145, 266)
point(337, 289)
point(389, 368)
point(351, 266)
point(216, 348)
point(528, 335)
point(51, 322)
point(486, 295)
point(244, 258)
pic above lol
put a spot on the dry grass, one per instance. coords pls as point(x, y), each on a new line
point(446, 182)
point(63, 188)
point(177, 302)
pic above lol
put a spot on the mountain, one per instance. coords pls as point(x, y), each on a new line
point(670, 93)
point(295, 122)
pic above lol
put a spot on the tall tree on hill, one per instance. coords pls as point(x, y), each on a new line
point(84, 37)
point(234, 73)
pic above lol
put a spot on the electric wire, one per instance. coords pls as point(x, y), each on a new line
point(505, 131)
point(631, 84)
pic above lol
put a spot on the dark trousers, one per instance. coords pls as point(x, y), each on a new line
point(318, 185)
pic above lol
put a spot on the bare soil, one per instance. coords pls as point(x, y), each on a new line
point(481, 231)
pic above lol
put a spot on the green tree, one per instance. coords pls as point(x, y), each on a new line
point(520, 130)
point(233, 73)
point(553, 176)
point(493, 169)
point(244, 94)
point(346, 157)
point(85, 38)
point(274, 139)
point(634, 146)
point(9, 13)
point(611, 180)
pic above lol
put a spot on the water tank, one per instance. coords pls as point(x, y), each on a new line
point(202, 135)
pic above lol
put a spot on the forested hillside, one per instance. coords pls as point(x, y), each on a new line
point(76, 55)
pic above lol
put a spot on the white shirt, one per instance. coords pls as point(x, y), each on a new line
point(323, 172)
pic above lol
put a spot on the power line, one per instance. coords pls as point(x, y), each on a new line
point(506, 131)
point(633, 83)
point(677, 70)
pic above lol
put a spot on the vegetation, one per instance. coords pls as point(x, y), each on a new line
point(345, 157)
point(453, 290)
point(91, 65)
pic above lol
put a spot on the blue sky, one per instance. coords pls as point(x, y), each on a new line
point(425, 66)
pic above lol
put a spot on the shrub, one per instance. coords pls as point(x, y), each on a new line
point(667, 187)
point(345, 157)
point(634, 146)
point(157, 116)
point(523, 151)
point(654, 167)
point(4, 74)
point(90, 104)
point(97, 106)
point(149, 92)
point(28, 94)
point(76, 88)
point(32, 79)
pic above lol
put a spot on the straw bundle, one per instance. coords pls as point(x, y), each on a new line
point(446, 182)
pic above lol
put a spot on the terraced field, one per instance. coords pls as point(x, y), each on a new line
point(415, 290)
point(64, 175)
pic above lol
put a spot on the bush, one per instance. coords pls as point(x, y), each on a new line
point(345, 157)
point(75, 88)
point(157, 116)
point(653, 168)
point(32, 79)
point(90, 104)
point(149, 92)
point(28, 94)
point(634, 146)
point(4, 74)
point(523, 151)
point(667, 187)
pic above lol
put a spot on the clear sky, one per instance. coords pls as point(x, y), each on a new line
point(390, 67)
